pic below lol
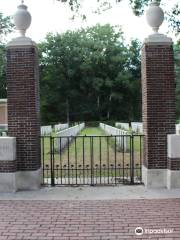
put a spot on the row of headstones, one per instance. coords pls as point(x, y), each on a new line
point(60, 127)
point(66, 136)
point(136, 127)
point(47, 130)
point(122, 140)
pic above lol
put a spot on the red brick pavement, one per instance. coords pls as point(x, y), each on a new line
point(88, 220)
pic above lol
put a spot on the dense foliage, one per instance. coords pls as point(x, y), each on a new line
point(90, 74)
point(2, 72)
point(6, 27)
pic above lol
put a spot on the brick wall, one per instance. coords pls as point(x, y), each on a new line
point(173, 164)
point(8, 166)
point(23, 105)
point(158, 93)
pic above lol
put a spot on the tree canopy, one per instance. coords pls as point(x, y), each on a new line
point(90, 74)
point(6, 27)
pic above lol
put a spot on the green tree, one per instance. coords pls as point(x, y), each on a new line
point(5, 27)
point(2, 72)
point(89, 74)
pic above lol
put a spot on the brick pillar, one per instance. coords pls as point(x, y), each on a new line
point(23, 112)
point(159, 113)
point(22, 169)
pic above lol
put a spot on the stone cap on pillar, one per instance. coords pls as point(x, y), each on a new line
point(155, 18)
point(22, 21)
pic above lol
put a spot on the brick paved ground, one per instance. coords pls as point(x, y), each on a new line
point(82, 220)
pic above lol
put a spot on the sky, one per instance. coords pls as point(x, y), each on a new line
point(53, 16)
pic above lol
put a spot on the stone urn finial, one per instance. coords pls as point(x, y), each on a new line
point(22, 19)
point(155, 16)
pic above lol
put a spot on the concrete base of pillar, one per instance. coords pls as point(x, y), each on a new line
point(24, 180)
point(8, 182)
point(29, 180)
point(173, 179)
point(154, 178)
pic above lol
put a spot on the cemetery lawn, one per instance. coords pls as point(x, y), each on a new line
point(103, 151)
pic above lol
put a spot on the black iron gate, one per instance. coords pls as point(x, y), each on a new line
point(92, 160)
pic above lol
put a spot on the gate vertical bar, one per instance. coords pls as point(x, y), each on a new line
point(132, 160)
point(108, 157)
point(140, 158)
point(68, 162)
point(92, 167)
point(100, 156)
point(52, 159)
point(123, 160)
point(42, 155)
point(115, 142)
point(60, 157)
point(75, 145)
point(83, 163)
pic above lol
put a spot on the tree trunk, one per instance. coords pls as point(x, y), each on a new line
point(67, 110)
